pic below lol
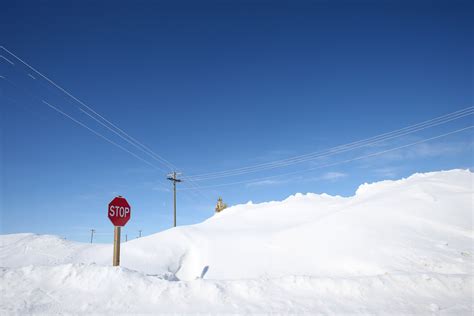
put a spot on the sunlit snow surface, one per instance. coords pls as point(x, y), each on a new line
point(395, 247)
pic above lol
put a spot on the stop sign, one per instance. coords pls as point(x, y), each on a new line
point(119, 211)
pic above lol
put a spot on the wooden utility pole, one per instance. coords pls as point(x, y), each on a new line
point(92, 234)
point(139, 233)
point(173, 177)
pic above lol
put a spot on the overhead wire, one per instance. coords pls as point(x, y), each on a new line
point(338, 149)
point(111, 126)
point(88, 128)
point(196, 191)
point(254, 168)
point(334, 150)
point(339, 162)
point(82, 103)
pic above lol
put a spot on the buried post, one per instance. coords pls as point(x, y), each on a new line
point(116, 257)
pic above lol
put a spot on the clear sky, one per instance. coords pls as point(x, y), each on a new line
point(219, 85)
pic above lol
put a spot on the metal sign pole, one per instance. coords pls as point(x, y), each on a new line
point(116, 258)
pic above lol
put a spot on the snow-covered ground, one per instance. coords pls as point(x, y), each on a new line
point(395, 247)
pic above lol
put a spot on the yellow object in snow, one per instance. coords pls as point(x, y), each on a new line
point(220, 205)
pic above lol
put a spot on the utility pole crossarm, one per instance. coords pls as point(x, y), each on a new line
point(172, 177)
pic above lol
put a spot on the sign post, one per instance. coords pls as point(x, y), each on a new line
point(119, 213)
point(116, 258)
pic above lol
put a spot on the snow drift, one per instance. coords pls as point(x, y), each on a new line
point(400, 246)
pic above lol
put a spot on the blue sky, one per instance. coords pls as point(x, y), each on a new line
point(218, 85)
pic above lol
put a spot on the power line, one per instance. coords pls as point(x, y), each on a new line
point(81, 103)
point(7, 60)
point(115, 129)
point(98, 134)
point(338, 149)
point(128, 138)
point(334, 150)
point(340, 162)
point(86, 127)
point(254, 168)
point(133, 144)
point(89, 129)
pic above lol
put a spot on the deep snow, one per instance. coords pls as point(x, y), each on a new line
point(397, 247)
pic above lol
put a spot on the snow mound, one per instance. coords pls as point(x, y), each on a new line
point(403, 246)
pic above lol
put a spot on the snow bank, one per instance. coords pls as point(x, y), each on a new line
point(86, 289)
point(400, 246)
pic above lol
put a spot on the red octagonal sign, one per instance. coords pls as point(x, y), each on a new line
point(119, 211)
